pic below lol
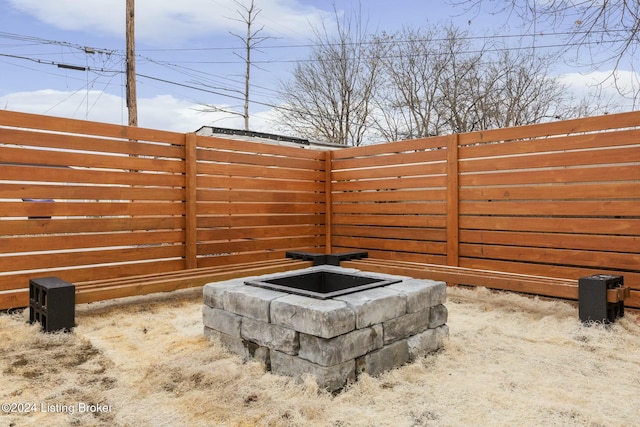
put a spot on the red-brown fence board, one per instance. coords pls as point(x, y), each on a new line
point(257, 199)
point(391, 200)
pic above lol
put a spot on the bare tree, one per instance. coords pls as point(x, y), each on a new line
point(411, 73)
point(462, 86)
point(329, 96)
point(602, 31)
point(520, 90)
point(250, 40)
point(419, 83)
point(436, 81)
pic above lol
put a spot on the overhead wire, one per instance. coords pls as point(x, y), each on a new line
point(219, 88)
point(391, 41)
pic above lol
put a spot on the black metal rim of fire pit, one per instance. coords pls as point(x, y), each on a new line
point(322, 283)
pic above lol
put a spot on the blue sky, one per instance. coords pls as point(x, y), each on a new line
point(184, 44)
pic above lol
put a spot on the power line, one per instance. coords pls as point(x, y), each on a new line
point(203, 90)
point(61, 64)
point(478, 50)
point(40, 41)
point(218, 90)
point(360, 43)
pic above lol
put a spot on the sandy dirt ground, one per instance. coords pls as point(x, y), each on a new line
point(511, 360)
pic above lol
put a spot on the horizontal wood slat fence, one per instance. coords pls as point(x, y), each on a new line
point(557, 200)
point(129, 201)
point(560, 200)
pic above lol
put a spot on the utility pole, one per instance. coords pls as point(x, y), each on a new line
point(132, 104)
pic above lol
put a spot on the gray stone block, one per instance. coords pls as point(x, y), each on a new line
point(270, 335)
point(333, 351)
point(324, 318)
point(213, 292)
point(405, 326)
point(375, 305)
point(244, 349)
point(442, 334)
point(388, 357)
point(421, 294)
point(439, 294)
point(427, 342)
point(222, 321)
point(332, 378)
point(250, 301)
point(438, 316)
point(423, 343)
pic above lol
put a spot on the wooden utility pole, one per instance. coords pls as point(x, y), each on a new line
point(132, 103)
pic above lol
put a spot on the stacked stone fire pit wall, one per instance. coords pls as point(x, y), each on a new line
point(337, 339)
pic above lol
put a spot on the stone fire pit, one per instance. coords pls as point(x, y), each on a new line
point(381, 322)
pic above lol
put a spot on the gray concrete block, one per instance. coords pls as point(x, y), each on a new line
point(405, 326)
point(213, 292)
point(379, 361)
point(324, 318)
point(333, 351)
point(423, 343)
point(244, 349)
point(332, 378)
point(375, 305)
point(269, 335)
point(250, 301)
point(438, 316)
point(427, 342)
point(222, 321)
point(439, 294)
point(421, 294)
point(442, 334)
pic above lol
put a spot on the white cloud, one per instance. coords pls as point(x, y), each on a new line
point(79, 104)
point(160, 112)
point(168, 21)
point(606, 85)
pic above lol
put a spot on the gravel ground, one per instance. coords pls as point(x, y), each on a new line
point(510, 360)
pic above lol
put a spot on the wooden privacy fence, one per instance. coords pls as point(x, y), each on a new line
point(558, 200)
point(89, 201)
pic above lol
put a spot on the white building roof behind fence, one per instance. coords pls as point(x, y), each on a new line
point(268, 138)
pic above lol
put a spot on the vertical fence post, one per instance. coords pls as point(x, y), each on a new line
point(191, 169)
point(328, 201)
point(453, 201)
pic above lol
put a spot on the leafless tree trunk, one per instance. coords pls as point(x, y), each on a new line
point(250, 40)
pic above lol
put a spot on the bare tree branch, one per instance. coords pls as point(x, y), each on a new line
point(330, 96)
point(599, 32)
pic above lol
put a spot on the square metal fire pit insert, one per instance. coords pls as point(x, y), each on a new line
point(322, 284)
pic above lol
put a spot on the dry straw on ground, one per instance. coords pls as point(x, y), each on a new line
point(510, 360)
